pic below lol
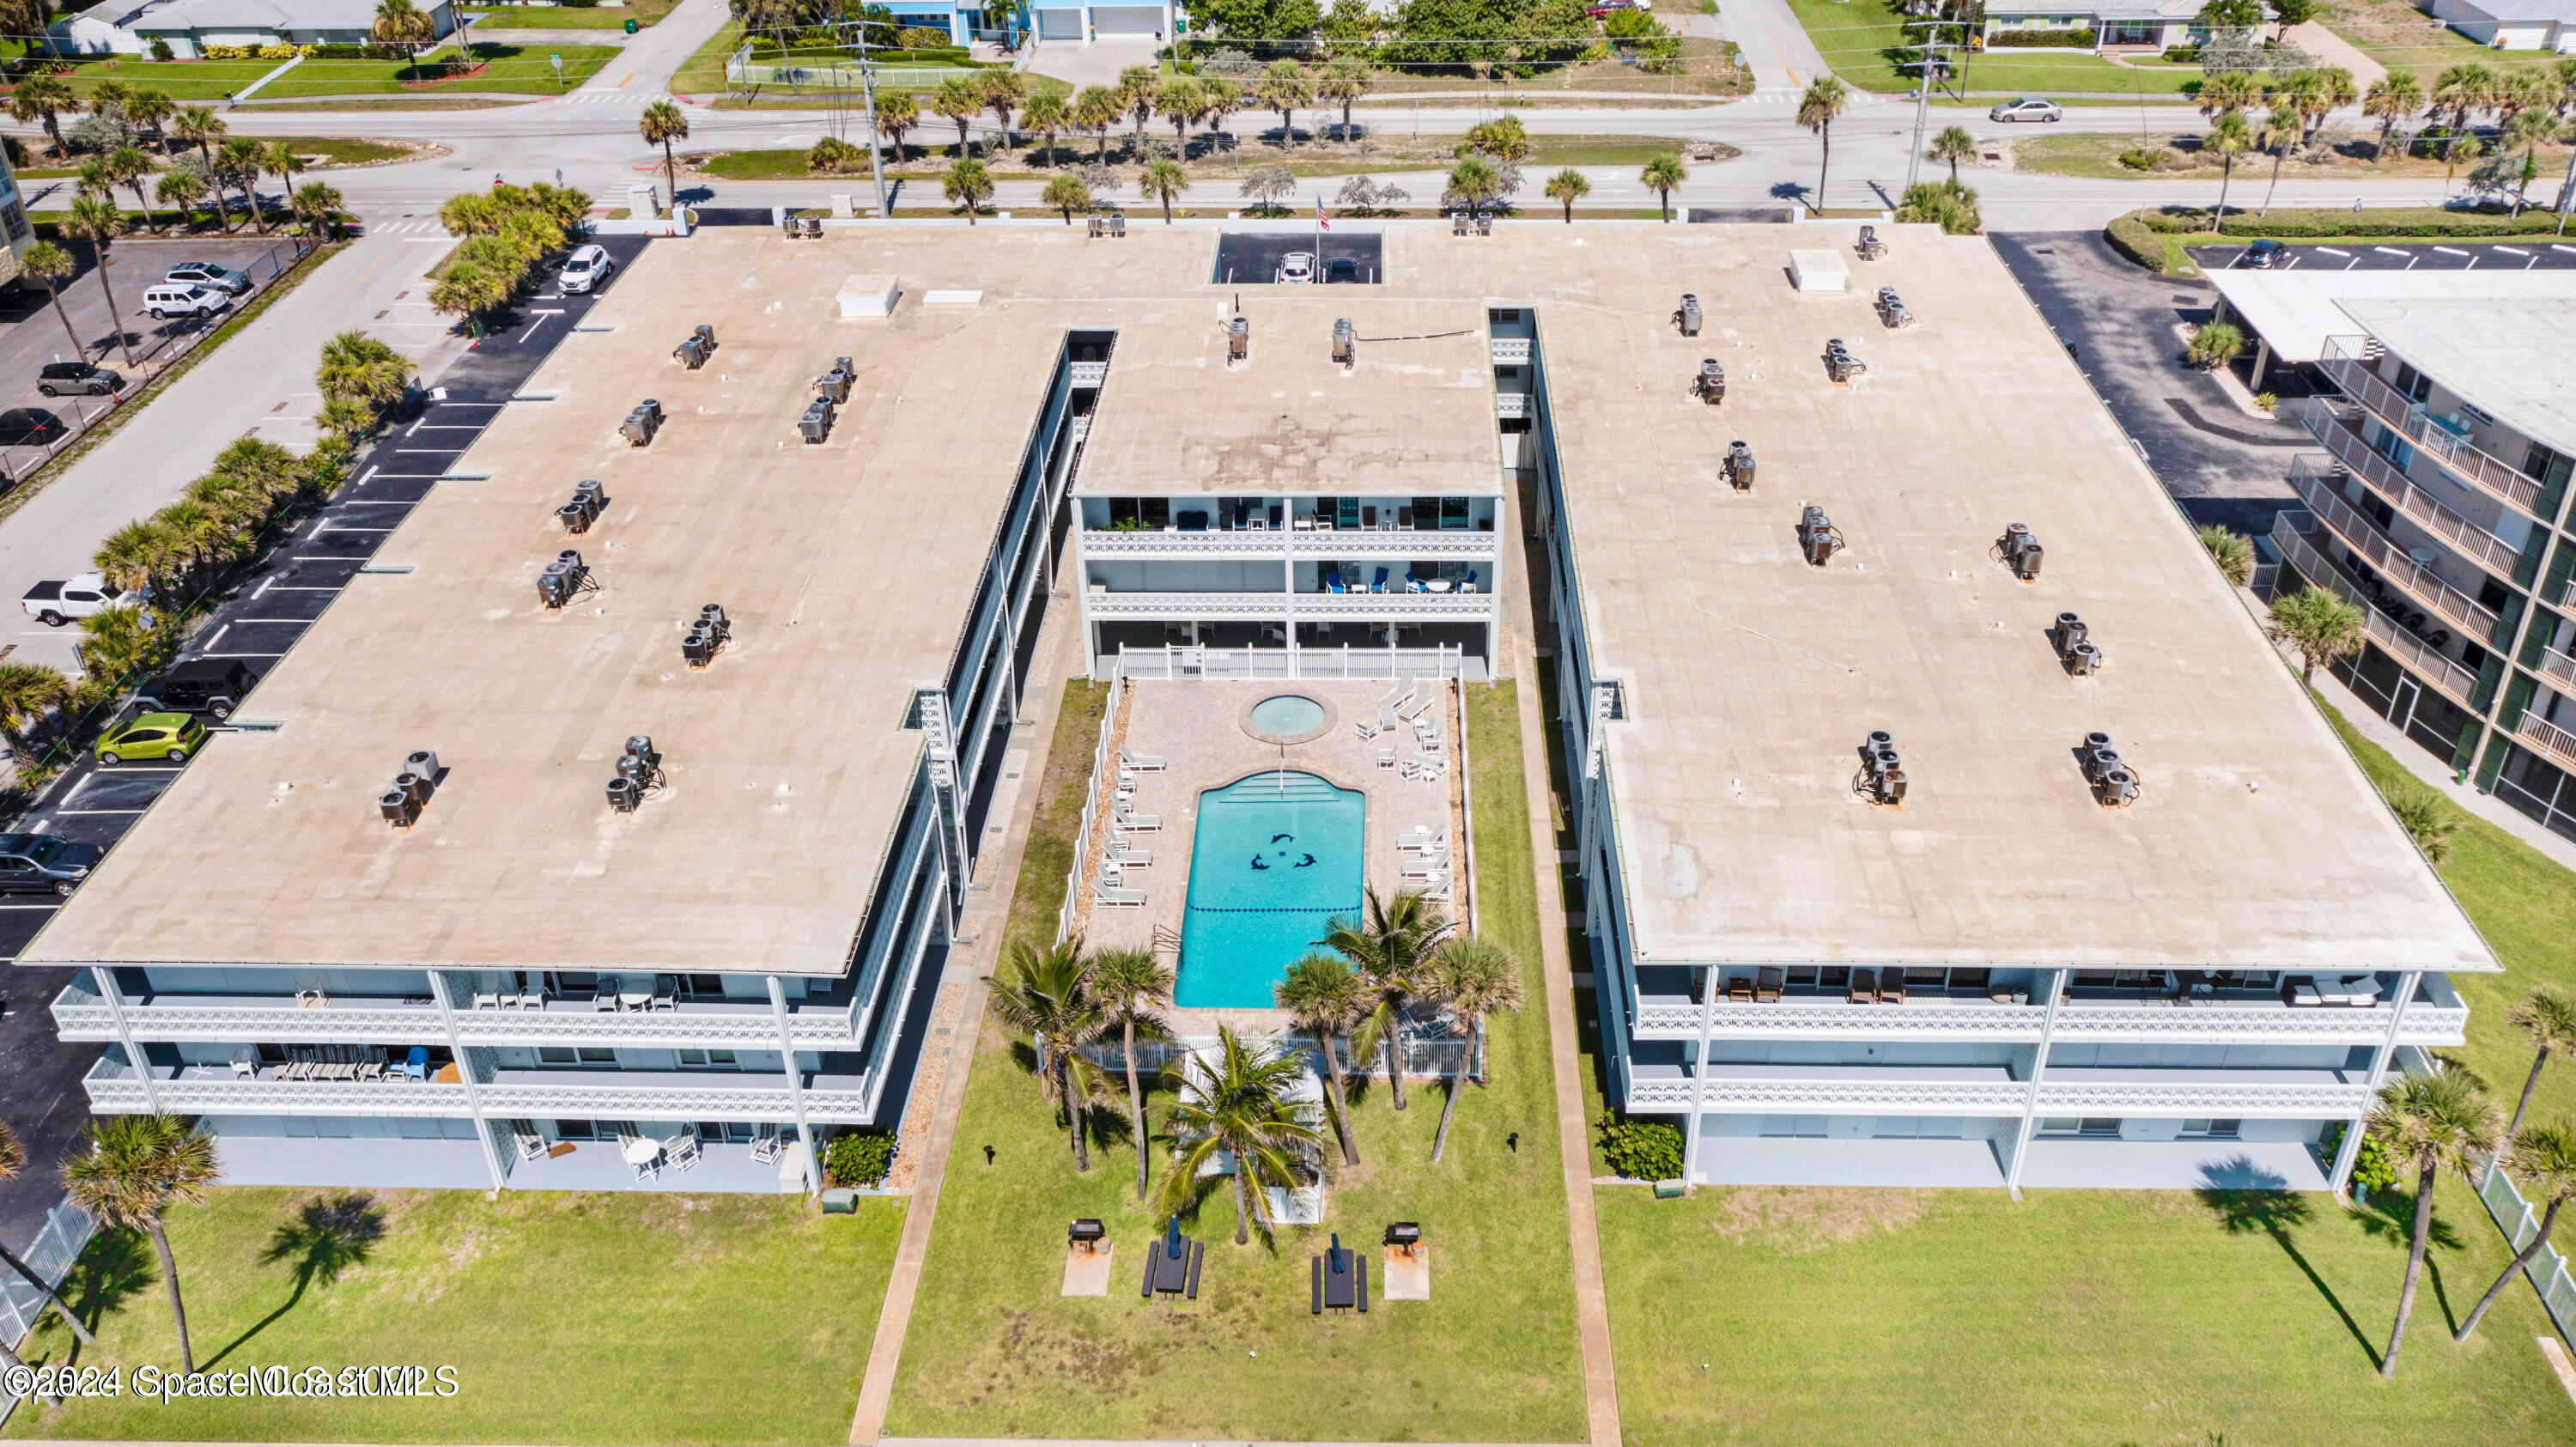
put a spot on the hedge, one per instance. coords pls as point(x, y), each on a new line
point(2041, 40)
point(2389, 223)
point(2134, 239)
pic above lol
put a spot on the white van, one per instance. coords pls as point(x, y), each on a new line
point(184, 299)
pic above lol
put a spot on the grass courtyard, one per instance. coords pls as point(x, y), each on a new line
point(607, 1317)
point(511, 69)
point(1860, 38)
point(1493, 1355)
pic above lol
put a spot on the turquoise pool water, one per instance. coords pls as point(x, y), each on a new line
point(1287, 715)
point(1277, 855)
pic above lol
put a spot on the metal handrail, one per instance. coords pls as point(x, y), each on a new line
point(2416, 580)
point(2343, 438)
point(2557, 665)
point(2447, 676)
point(2548, 736)
point(2343, 364)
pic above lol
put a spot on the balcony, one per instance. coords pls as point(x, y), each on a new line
point(2548, 738)
point(115, 1089)
point(2345, 365)
point(2236, 1017)
point(1511, 351)
point(1306, 607)
point(2558, 668)
point(2338, 429)
point(2445, 675)
point(1971, 1091)
point(1296, 542)
point(80, 1014)
point(1509, 405)
point(832, 1097)
point(2419, 583)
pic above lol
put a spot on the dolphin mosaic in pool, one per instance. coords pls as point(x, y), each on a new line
point(1277, 856)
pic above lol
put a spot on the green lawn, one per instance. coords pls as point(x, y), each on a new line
point(1856, 36)
point(645, 13)
point(513, 69)
point(2094, 1317)
point(570, 1317)
point(996, 1351)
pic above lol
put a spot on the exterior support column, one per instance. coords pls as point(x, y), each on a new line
point(2038, 1072)
point(2262, 359)
point(1699, 1071)
point(2350, 1151)
point(795, 1086)
point(439, 991)
point(107, 991)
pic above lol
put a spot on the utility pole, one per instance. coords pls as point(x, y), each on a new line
point(1932, 49)
point(868, 98)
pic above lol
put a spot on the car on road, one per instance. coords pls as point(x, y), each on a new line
point(60, 600)
point(206, 273)
point(87, 378)
point(587, 267)
point(184, 299)
point(2027, 108)
point(1297, 267)
point(44, 863)
point(171, 736)
point(212, 686)
point(29, 427)
point(1606, 6)
point(2265, 254)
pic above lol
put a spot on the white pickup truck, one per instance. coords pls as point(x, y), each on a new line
point(57, 603)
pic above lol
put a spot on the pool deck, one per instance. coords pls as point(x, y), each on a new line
point(1196, 726)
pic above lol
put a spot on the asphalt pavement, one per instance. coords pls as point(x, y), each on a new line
point(2453, 256)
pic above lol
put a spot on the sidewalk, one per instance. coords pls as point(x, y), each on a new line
point(2425, 767)
point(1775, 45)
point(2332, 49)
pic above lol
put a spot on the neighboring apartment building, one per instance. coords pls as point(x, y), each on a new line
point(1984, 956)
point(128, 27)
point(15, 231)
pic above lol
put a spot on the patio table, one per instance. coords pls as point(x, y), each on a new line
point(642, 1150)
point(1435, 585)
point(635, 999)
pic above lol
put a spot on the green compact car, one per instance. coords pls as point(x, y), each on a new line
point(171, 736)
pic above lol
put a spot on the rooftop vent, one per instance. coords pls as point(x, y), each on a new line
point(1238, 340)
point(2115, 784)
point(408, 794)
point(639, 772)
point(643, 422)
point(1818, 537)
point(1870, 247)
point(584, 509)
point(835, 384)
point(1840, 364)
point(1108, 223)
point(2074, 648)
point(563, 578)
point(693, 352)
point(708, 632)
point(816, 424)
point(1891, 309)
point(1739, 465)
point(1687, 317)
point(1710, 385)
point(1882, 770)
point(2020, 552)
point(1346, 349)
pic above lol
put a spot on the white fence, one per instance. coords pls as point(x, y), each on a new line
point(67, 1230)
point(1104, 776)
point(2548, 1270)
point(1424, 1057)
point(1175, 660)
point(742, 70)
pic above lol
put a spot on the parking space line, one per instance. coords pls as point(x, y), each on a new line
point(30, 906)
point(83, 813)
point(242, 655)
point(272, 620)
point(219, 635)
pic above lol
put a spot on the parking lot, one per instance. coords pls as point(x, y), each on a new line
point(2460, 256)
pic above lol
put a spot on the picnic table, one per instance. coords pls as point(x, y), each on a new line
point(1172, 1267)
point(1340, 1279)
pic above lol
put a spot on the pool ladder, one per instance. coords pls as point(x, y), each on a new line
point(1167, 938)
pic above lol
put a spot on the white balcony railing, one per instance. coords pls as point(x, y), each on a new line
point(1512, 404)
point(2100, 1098)
point(1179, 661)
point(2345, 363)
point(1665, 1094)
point(2410, 577)
point(2549, 738)
point(2447, 675)
point(114, 1090)
point(1511, 351)
point(2333, 426)
point(1307, 607)
point(1825, 1019)
point(1090, 374)
point(1289, 542)
point(82, 1015)
point(2161, 1021)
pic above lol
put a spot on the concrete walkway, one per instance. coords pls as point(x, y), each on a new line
point(1573, 1130)
point(2429, 769)
point(2332, 49)
point(1775, 44)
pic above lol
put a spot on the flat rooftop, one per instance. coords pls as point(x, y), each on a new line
point(2512, 357)
point(2296, 308)
point(1751, 678)
point(1413, 416)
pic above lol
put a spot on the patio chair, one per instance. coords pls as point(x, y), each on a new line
point(1128, 856)
point(484, 1000)
point(1864, 987)
point(1421, 700)
point(1424, 837)
point(766, 1147)
point(1107, 897)
point(1739, 990)
point(1141, 763)
point(372, 1070)
point(523, 1134)
point(1333, 581)
point(1767, 982)
point(603, 1000)
point(666, 993)
point(1386, 757)
point(1425, 871)
point(683, 1151)
point(1138, 823)
point(1891, 987)
point(416, 1064)
point(532, 1000)
point(246, 1065)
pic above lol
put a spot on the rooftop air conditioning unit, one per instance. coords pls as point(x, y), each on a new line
point(639, 770)
point(1117, 223)
point(623, 796)
point(1817, 536)
point(816, 424)
point(1739, 465)
point(1840, 364)
point(643, 422)
point(1238, 340)
point(2114, 782)
point(584, 509)
point(561, 579)
point(1870, 247)
point(1891, 309)
point(693, 350)
point(2074, 648)
point(400, 809)
point(834, 385)
point(1099, 226)
point(1882, 769)
point(1687, 317)
point(1458, 223)
point(1710, 385)
point(1345, 343)
point(707, 633)
point(2021, 552)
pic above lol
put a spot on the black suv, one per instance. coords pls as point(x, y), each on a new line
point(213, 686)
point(87, 378)
point(44, 863)
point(29, 427)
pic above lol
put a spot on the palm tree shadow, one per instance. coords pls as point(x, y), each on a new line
point(1025, 1056)
point(2277, 1213)
point(2394, 1222)
point(117, 1265)
point(327, 1237)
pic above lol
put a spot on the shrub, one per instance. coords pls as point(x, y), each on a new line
point(2392, 223)
point(1641, 1150)
point(277, 52)
point(831, 155)
point(96, 135)
point(2215, 343)
point(2374, 1168)
point(2232, 551)
point(913, 37)
point(226, 52)
point(1946, 202)
point(161, 49)
point(2182, 54)
point(2041, 39)
point(858, 1158)
point(2268, 401)
point(2140, 158)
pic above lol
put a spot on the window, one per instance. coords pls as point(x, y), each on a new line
point(1457, 514)
point(556, 1055)
point(2546, 464)
point(1917, 978)
point(722, 1060)
point(2217, 1130)
point(2095, 1126)
point(573, 1130)
point(2480, 414)
point(1504, 316)
point(705, 986)
point(598, 1055)
point(2413, 383)
point(1971, 979)
point(693, 1057)
point(2058, 1125)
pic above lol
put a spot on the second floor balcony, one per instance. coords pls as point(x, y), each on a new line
point(2339, 428)
point(2410, 576)
point(658, 1016)
point(838, 1093)
point(2348, 363)
point(2295, 533)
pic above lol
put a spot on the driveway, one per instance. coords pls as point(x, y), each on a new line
point(1775, 45)
point(2219, 463)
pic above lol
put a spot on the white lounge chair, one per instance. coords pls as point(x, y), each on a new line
point(1424, 839)
point(1421, 701)
point(1367, 730)
point(524, 1135)
point(485, 1001)
point(1128, 856)
point(1426, 873)
point(1135, 823)
point(1386, 757)
point(1141, 763)
point(1108, 898)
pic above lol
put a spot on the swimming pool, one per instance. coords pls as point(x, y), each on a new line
point(1277, 856)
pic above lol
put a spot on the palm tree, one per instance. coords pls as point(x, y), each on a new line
point(28, 691)
point(1135, 92)
point(199, 126)
point(2564, 73)
point(960, 100)
point(2318, 626)
point(466, 291)
point(2332, 90)
point(183, 190)
point(400, 23)
point(896, 116)
point(2548, 1016)
point(2231, 550)
point(238, 160)
point(1003, 91)
point(279, 159)
point(115, 642)
point(1325, 996)
point(2545, 1159)
point(2393, 98)
point(134, 554)
point(969, 183)
point(1390, 950)
point(1345, 81)
point(1953, 145)
point(1047, 994)
point(317, 208)
point(1047, 113)
point(1825, 101)
point(1236, 1104)
point(98, 222)
point(1473, 182)
point(2437, 1120)
point(2527, 132)
point(362, 368)
point(151, 108)
point(2281, 130)
point(2229, 137)
point(130, 167)
point(1473, 977)
point(1095, 110)
point(1223, 97)
point(2462, 90)
point(43, 99)
point(2229, 92)
point(1567, 187)
point(1284, 87)
point(136, 1167)
point(1163, 180)
point(1133, 987)
point(1068, 193)
point(663, 123)
point(1665, 174)
point(1182, 102)
point(50, 265)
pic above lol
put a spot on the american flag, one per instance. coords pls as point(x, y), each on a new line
point(1321, 224)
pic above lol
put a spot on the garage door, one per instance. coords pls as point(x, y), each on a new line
point(1127, 19)
point(1060, 25)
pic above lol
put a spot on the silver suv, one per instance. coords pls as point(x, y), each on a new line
point(207, 273)
point(2028, 108)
